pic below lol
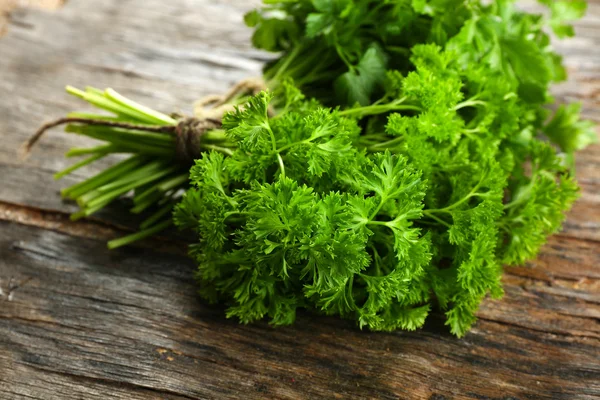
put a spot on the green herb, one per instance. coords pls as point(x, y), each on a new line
point(404, 155)
point(312, 211)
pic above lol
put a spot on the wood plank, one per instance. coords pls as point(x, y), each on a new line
point(131, 319)
point(78, 321)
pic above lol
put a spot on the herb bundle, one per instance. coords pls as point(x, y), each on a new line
point(403, 155)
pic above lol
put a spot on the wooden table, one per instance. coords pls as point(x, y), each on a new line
point(78, 321)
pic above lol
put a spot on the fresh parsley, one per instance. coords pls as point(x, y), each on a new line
point(403, 155)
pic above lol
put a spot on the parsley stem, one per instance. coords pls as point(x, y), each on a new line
point(381, 223)
point(432, 216)
point(379, 109)
point(173, 182)
point(78, 165)
point(287, 61)
point(156, 116)
point(307, 66)
point(523, 194)
point(281, 164)
point(376, 260)
point(129, 141)
point(151, 220)
point(100, 101)
point(385, 145)
point(143, 195)
point(315, 76)
point(223, 150)
point(161, 187)
point(103, 177)
point(149, 168)
point(126, 188)
point(98, 117)
point(376, 211)
point(147, 203)
point(450, 207)
point(107, 148)
point(122, 135)
point(271, 134)
point(472, 193)
point(342, 56)
point(469, 103)
point(113, 244)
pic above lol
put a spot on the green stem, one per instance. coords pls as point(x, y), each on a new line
point(378, 109)
point(107, 148)
point(376, 211)
point(299, 69)
point(381, 223)
point(458, 203)
point(154, 218)
point(97, 117)
point(107, 197)
point(271, 134)
point(173, 182)
point(149, 201)
point(383, 145)
point(215, 136)
point(223, 150)
point(146, 170)
point(469, 103)
point(343, 57)
point(281, 166)
point(156, 116)
point(432, 216)
point(121, 134)
point(145, 233)
point(133, 143)
point(522, 196)
point(105, 176)
point(286, 63)
point(78, 165)
point(101, 101)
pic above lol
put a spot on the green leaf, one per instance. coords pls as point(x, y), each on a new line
point(565, 11)
point(567, 130)
point(359, 84)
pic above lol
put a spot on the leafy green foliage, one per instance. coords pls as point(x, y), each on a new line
point(436, 164)
point(568, 131)
point(563, 12)
point(382, 210)
point(338, 50)
point(296, 216)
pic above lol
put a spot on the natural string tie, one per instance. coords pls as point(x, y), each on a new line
point(188, 133)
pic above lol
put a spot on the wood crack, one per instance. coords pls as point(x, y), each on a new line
point(552, 332)
point(568, 236)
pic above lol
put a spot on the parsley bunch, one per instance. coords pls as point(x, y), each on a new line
point(425, 178)
point(404, 154)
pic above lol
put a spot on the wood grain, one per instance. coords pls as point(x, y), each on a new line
point(78, 321)
point(6, 6)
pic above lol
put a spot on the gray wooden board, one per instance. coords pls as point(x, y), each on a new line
point(78, 321)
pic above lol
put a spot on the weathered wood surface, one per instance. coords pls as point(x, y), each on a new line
point(77, 321)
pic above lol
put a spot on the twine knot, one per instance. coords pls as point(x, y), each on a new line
point(188, 137)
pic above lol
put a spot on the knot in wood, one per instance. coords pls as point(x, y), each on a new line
point(188, 137)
